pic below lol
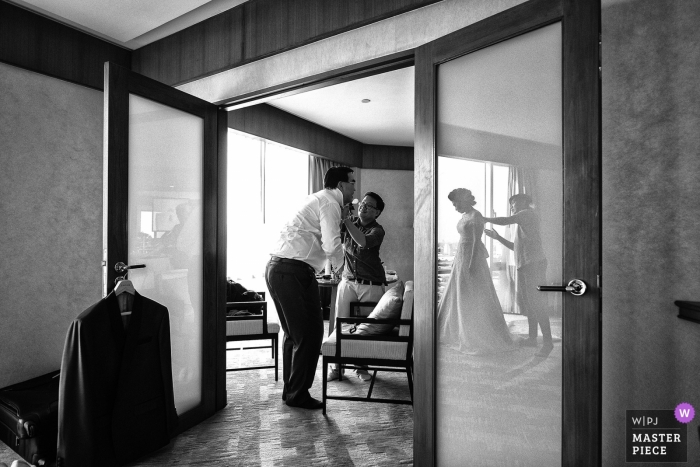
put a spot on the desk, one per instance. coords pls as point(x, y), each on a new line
point(333, 284)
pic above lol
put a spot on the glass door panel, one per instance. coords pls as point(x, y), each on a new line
point(499, 168)
point(165, 229)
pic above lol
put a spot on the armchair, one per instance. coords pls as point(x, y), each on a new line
point(385, 352)
point(250, 328)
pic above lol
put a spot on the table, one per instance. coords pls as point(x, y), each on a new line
point(333, 284)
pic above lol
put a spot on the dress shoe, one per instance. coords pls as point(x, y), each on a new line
point(309, 403)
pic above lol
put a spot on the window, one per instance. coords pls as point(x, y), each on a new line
point(266, 181)
point(488, 183)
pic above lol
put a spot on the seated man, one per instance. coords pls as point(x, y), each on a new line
point(363, 279)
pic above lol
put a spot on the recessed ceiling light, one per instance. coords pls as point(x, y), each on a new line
point(172, 186)
point(364, 101)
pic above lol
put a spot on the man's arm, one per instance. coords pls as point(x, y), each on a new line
point(373, 238)
point(329, 217)
point(496, 236)
point(514, 219)
point(500, 220)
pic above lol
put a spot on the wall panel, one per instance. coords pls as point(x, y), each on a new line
point(51, 211)
point(39, 44)
point(387, 157)
point(257, 29)
point(271, 123)
point(651, 214)
point(396, 189)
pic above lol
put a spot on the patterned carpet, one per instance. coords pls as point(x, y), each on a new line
point(257, 429)
point(491, 412)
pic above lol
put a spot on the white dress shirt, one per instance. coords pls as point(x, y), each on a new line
point(313, 235)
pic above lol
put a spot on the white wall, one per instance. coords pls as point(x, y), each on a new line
point(396, 189)
point(651, 213)
point(51, 211)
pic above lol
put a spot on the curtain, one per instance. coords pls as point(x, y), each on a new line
point(318, 166)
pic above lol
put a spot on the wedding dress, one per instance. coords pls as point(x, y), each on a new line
point(470, 318)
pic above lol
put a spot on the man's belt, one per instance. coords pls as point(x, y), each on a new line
point(364, 282)
point(294, 262)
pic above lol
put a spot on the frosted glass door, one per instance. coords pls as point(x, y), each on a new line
point(165, 229)
point(499, 168)
point(164, 207)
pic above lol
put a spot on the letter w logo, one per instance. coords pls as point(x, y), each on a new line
point(685, 413)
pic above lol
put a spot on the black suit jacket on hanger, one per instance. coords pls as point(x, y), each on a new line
point(116, 399)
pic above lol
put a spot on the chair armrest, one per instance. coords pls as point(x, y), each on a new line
point(340, 337)
point(246, 306)
point(355, 306)
point(249, 306)
point(254, 306)
point(386, 337)
point(394, 321)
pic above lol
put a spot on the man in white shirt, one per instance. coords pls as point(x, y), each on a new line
point(307, 241)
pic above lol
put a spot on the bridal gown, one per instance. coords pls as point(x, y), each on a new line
point(470, 318)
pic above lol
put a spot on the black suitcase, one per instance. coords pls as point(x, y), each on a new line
point(29, 418)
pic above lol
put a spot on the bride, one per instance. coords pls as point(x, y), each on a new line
point(470, 318)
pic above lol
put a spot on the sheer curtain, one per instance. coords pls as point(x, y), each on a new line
point(318, 166)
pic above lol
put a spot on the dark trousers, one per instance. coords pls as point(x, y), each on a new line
point(531, 301)
point(294, 291)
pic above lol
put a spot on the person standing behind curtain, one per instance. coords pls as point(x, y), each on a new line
point(531, 267)
point(310, 239)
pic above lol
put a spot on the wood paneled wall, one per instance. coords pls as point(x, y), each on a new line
point(271, 123)
point(387, 157)
point(277, 125)
point(257, 29)
point(36, 43)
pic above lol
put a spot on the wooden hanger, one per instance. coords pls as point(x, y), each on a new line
point(124, 286)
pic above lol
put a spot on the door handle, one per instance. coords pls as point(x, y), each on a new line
point(121, 268)
point(574, 287)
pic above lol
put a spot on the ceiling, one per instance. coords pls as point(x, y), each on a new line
point(128, 23)
point(387, 118)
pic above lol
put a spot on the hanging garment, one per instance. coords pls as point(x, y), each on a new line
point(115, 400)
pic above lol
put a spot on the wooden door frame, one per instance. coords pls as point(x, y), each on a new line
point(119, 83)
point(581, 441)
point(582, 149)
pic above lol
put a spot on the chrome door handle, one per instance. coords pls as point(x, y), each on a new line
point(121, 268)
point(574, 287)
